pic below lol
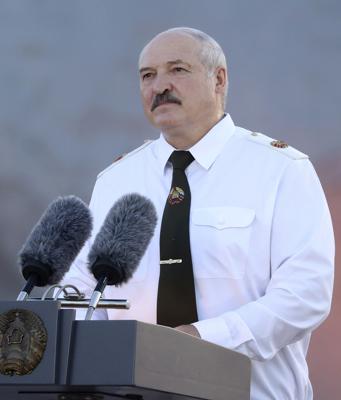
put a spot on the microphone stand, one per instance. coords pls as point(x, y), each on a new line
point(27, 289)
point(95, 297)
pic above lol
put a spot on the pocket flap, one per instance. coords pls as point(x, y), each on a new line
point(223, 217)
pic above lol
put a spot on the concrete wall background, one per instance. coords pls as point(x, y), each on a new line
point(69, 103)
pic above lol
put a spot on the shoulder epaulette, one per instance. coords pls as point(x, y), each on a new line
point(123, 157)
point(276, 145)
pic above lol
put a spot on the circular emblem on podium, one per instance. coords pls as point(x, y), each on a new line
point(23, 339)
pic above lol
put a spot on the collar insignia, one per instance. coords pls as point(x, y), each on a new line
point(279, 144)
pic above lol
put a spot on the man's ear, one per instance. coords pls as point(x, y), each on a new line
point(221, 80)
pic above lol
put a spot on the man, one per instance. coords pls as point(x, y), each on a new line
point(260, 231)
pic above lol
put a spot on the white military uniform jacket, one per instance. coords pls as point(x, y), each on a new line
point(262, 248)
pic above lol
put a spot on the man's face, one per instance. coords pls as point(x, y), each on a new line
point(175, 87)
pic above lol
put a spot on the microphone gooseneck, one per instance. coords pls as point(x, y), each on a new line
point(36, 274)
point(96, 296)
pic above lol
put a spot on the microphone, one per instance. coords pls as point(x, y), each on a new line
point(54, 243)
point(120, 244)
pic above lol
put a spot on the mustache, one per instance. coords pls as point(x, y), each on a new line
point(163, 98)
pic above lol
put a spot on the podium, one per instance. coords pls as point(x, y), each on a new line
point(102, 360)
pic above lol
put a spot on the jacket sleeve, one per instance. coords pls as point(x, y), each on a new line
point(298, 296)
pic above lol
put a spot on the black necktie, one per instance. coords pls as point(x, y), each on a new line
point(176, 303)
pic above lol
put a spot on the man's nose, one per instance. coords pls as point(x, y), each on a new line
point(161, 84)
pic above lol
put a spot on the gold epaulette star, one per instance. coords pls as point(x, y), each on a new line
point(276, 145)
point(279, 144)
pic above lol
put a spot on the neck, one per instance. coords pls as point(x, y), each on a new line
point(183, 139)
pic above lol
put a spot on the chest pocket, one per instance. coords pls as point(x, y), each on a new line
point(222, 237)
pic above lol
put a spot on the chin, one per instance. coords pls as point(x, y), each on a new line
point(165, 120)
point(165, 123)
point(161, 119)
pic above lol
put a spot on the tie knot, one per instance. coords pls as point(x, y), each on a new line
point(181, 159)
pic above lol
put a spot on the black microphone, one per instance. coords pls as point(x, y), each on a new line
point(120, 244)
point(54, 243)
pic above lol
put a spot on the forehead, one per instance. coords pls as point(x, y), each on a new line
point(170, 47)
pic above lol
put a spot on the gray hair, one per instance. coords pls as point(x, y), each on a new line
point(211, 54)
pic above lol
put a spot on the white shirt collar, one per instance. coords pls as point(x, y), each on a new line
point(206, 150)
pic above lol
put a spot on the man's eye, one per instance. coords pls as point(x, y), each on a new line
point(178, 69)
point(146, 76)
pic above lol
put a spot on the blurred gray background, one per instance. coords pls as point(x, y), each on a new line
point(69, 104)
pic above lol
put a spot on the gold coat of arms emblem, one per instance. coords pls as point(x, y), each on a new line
point(23, 339)
point(176, 195)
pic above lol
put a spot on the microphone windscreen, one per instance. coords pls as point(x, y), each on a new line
point(56, 239)
point(123, 239)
